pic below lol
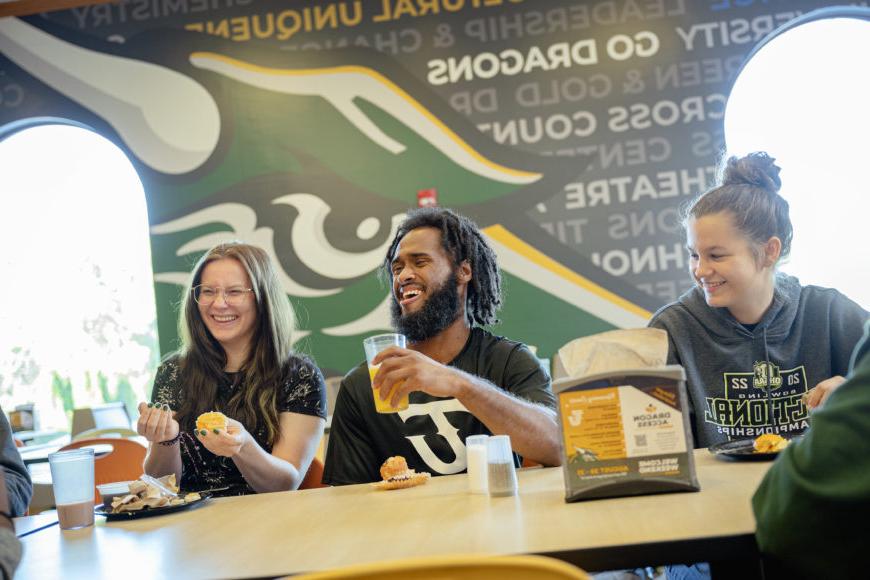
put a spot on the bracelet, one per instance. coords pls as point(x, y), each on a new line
point(172, 441)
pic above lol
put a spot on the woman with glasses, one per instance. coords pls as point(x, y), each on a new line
point(235, 358)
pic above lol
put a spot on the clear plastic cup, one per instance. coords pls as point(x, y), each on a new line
point(373, 345)
point(475, 452)
point(72, 477)
point(501, 474)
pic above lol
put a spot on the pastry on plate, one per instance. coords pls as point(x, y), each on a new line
point(396, 475)
point(769, 443)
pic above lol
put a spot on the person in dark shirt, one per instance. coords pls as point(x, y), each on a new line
point(813, 505)
point(16, 489)
point(461, 380)
point(18, 484)
point(10, 546)
point(236, 358)
point(759, 348)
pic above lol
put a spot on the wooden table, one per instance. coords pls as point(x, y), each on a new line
point(34, 524)
point(39, 453)
point(283, 533)
point(27, 436)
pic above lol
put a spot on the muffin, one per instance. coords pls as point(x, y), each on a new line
point(211, 420)
point(396, 475)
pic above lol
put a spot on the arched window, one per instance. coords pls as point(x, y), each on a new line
point(802, 96)
point(76, 288)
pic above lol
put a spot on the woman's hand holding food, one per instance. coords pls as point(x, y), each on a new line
point(157, 422)
point(227, 441)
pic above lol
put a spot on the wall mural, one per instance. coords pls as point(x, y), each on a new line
point(569, 130)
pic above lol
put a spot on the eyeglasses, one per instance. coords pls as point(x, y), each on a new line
point(205, 295)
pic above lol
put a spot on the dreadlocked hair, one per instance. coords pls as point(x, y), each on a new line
point(462, 240)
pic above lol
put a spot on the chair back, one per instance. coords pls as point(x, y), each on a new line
point(314, 477)
point(114, 432)
point(457, 568)
point(333, 385)
point(123, 463)
point(100, 417)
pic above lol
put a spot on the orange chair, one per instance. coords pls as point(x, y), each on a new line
point(105, 432)
point(123, 463)
point(456, 568)
point(314, 476)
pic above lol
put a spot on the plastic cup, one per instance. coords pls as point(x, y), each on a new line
point(501, 474)
point(72, 477)
point(475, 452)
point(373, 345)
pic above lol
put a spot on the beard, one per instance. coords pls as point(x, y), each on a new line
point(438, 312)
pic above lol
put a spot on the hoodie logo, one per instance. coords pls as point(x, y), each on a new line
point(763, 372)
point(746, 410)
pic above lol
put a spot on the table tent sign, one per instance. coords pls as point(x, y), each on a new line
point(624, 417)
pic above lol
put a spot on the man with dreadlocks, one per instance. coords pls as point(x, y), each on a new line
point(462, 380)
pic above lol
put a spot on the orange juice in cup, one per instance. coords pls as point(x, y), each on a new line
point(373, 345)
point(382, 406)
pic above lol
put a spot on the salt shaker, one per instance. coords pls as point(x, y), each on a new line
point(501, 475)
point(475, 452)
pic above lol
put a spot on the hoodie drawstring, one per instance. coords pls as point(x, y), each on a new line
point(767, 374)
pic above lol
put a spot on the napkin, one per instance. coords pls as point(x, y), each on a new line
point(615, 350)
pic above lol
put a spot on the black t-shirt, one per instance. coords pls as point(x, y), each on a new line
point(302, 391)
point(431, 433)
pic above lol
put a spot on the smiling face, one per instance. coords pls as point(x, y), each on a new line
point(724, 265)
point(428, 291)
point(231, 325)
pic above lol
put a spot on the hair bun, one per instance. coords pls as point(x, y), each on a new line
point(756, 169)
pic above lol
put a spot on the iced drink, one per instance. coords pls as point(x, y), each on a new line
point(382, 406)
point(72, 477)
point(373, 345)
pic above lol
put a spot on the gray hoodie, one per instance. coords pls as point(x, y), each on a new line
point(742, 382)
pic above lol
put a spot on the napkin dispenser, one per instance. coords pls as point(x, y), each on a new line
point(24, 418)
point(626, 432)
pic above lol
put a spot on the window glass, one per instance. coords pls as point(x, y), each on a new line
point(802, 97)
point(76, 288)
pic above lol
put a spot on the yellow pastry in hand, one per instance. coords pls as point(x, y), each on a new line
point(212, 420)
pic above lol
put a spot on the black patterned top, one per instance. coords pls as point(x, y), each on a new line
point(303, 391)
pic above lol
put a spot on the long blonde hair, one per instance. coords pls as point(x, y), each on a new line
point(203, 360)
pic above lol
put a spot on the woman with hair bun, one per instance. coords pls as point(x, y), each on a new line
point(759, 349)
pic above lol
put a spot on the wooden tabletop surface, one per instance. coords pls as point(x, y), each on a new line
point(283, 533)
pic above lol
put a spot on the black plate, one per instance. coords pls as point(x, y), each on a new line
point(101, 510)
point(740, 450)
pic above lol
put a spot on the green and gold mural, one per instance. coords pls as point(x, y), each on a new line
point(569, 130)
